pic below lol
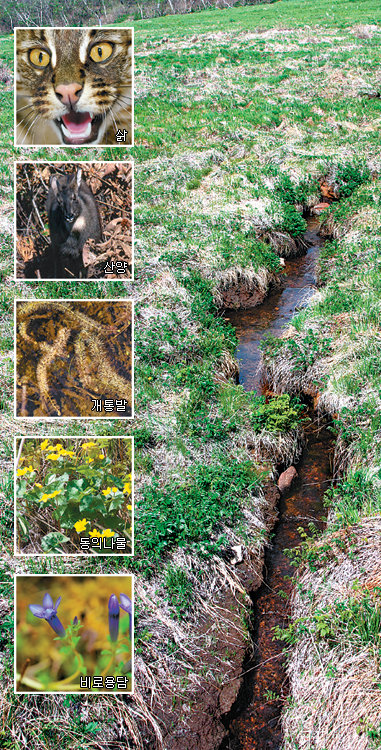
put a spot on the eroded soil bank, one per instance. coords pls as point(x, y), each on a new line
point(253, 723)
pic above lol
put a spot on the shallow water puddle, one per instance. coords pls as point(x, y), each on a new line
point(254, 722)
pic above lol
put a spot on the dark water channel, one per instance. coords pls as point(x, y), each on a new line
point(254, 723)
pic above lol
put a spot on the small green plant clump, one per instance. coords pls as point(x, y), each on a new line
point(191, 513)
point(292, 221)
point(279, 414)
point(295, 193)
point(305, 351)
point(349, 175)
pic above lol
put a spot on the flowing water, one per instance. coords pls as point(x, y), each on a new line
point(254, 722)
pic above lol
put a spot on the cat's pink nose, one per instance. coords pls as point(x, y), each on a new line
point(68, 93)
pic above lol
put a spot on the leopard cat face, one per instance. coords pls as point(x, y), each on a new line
point(73, 86)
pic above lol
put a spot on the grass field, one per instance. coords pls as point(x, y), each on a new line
point(239, 113)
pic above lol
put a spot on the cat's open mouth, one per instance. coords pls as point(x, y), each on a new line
point(79, 127)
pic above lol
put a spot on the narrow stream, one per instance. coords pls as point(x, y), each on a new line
point(296, 287)
point(254, 722)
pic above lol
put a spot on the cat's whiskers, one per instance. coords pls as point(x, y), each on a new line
point(27, 117)
point(125, 99)
point(114, 121)
point(30, 126)
point(26, 106)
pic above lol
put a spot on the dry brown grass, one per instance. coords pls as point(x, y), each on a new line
point(335, 689)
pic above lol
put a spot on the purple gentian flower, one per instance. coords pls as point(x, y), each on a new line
point(48, 612)
point(126, 604)
point(113, 617)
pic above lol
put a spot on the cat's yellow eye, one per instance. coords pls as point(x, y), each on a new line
point(39, 57)
point(101, 52)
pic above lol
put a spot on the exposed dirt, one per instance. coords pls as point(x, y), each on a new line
point(241, 296)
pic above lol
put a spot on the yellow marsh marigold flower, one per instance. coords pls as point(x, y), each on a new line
point(106, 491)
point(127, 488)
point(94, 532)
point(38, 485)
point(100, 455)
point(114, 490)
point(129, 507)
point(81, 525)
point(45, 445)
point(57, 447)
point(89, 460)
point(45, 497)
point(52, 457)
point(107, 533)
point(88, 445)
point(27, 470)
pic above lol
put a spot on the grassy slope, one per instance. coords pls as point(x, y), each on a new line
point(226, 101)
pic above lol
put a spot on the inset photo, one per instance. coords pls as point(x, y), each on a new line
point(74, 220)
point(74, 496)
point(74, 634)
point(73, 358)
point(74, 86)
